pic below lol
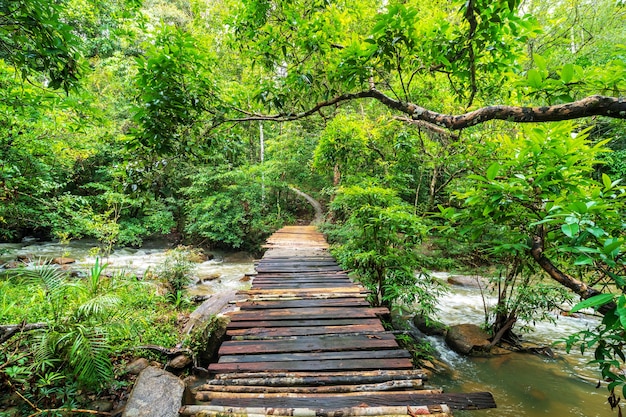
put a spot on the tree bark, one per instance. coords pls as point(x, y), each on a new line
point(577, 286)
point(10, 330)
point(614, 107)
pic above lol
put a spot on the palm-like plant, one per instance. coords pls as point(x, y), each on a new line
point(82, 316)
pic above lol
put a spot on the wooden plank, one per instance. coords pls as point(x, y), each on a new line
point(315, 356)
point(261, 269)
point(383, 386)
point(272, 332)
point(301, 296)
point(349, 290)
point(303, 323)
point(310, 343)
point(440, 410)
point(332, 302)
point(314, 375)
point(299, 285)
point(467, 401)
point(307, 313)
point(322, 365)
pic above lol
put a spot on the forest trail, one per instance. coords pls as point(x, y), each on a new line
point(317, 207)
point(306, 342)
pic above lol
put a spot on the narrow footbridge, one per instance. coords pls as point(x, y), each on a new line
point(305, 342)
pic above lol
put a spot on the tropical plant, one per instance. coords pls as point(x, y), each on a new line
point(379, 239)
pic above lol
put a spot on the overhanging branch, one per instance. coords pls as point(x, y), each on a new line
point(614, 107)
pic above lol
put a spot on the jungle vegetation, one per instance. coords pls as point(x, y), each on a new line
point(489, 133)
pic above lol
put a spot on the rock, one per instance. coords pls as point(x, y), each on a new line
point(156, 393)
point(101, 405)
point(138, 365)
point(62, 261)
point(25, 258)
point(467, 281)
point(209, 277)
point(13, 265)
point(467, 339)
point(180, 362)
point(429, 327)
point(238, 258)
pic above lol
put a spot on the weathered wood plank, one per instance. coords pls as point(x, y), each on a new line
point(300, 285)
point(303, 323)
point(315, 356)
point(332, 302)
point(307, 313)
point(413, 410)
point(384, 386)
point(310, 343)
point(467, 401)
point(310, 377)
point(322, 365)
point(273, 332)
point(213, 395)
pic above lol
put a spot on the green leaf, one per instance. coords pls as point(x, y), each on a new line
point(596, 231)
point(595, 301)
point(611, 245)
point(570, 230)
point(492, 171)
point(567, 73)
point(540, 62)
point(606, 180)
point(583, 260)
point(535, 79)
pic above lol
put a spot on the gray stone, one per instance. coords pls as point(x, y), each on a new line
point(101, 405)
point(468, 281)
point(138, 365)
point(428, 326)
point(156, 393)
point(468, 339)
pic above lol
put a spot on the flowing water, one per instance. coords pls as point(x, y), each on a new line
point(523, 385)
point(224, 272)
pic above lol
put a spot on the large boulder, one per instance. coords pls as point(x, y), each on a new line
point(428, 326)
point(468, 339)
point(156, 393)
point(468, 281)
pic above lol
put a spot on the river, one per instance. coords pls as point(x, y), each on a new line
point(522, 384)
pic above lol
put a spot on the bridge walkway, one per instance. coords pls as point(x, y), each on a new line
point(305, 342)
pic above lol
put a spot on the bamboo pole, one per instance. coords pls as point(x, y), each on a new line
point(385, 386)
point(213, 410)
point(208, 396)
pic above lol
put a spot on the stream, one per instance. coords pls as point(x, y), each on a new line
point(522, 384)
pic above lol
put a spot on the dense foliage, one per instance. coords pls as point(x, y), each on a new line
point(123, 120)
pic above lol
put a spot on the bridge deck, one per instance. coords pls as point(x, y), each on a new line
point(306, 342)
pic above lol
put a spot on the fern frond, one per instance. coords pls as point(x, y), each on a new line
point(89, 356)
point(50, 277)
point(97, 307)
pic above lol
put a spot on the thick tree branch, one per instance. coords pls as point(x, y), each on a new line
point(577, 286)
point(10, 330)
point(614, 107)
point(428, 126)
point(591, 106)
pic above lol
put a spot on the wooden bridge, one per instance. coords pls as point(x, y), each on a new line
point(305, 342)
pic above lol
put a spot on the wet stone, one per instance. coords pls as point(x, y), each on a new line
point(156, 393)
point(138, 365)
